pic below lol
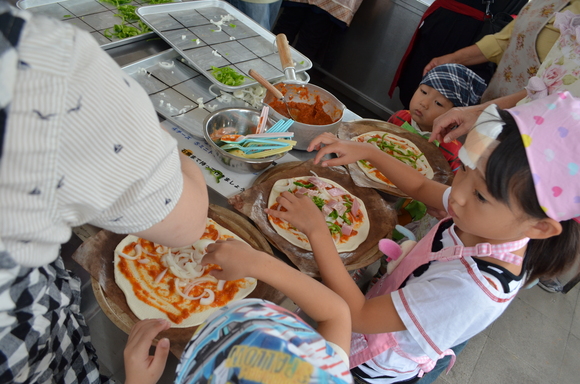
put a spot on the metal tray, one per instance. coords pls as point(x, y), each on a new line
point(176, 89)
point(91, 15)
point(242, 44)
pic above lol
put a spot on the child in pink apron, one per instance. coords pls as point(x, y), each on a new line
point(515, 200)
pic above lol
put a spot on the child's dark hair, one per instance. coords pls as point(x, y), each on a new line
point(508, 175)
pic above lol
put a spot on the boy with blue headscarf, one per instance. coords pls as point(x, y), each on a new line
point(442, 88)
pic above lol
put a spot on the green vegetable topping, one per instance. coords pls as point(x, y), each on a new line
point(333, 215)
point(122, 31)
point(216, 173)
point(365, 163)
point(67, 16)
point(116, 3)
point(319, 201)
point(302, 62)
point(334, 228)
point(309, 185)
point(127, 13)
point(227, 76)
point(233, 25)
point(406, 156)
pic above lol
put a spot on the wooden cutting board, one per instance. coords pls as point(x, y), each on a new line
point(382, 214)
point(441, 169)
point(97, 253)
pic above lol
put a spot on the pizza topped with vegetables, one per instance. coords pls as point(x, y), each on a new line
point(346, 216)
point(171, 283)
point(396, 146)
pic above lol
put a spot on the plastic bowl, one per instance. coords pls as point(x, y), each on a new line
point(245, 121)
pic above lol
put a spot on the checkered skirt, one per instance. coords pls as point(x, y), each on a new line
point(43, 336)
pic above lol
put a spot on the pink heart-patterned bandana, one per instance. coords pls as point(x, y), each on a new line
point(550, 129)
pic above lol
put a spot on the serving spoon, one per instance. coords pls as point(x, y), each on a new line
point(292, 112)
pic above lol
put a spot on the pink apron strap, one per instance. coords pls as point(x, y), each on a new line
point(426, 364)
point(497, 251)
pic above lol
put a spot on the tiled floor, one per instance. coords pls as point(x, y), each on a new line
point(537, 340)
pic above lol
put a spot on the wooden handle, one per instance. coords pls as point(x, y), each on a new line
point(260, 79)
point(284, 51)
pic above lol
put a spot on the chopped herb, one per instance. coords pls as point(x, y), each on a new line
point(122, 30)
point(216, 173)
point(127, 13)
point(301, 63)
point(67, 16)
point(233, 25)
point(227, 76)
point(159, 1)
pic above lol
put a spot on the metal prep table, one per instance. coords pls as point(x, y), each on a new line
point(109, 340)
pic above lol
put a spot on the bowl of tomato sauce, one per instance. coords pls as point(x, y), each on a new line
point(314, 111)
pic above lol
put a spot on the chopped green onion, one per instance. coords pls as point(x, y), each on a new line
point(227, 76)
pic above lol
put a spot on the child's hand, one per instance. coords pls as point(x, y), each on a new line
point(140, 367)
point(234, 257)
point(346, 150)
point(301, 212)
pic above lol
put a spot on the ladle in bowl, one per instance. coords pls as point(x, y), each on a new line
point(292, 112)
point(286, 59)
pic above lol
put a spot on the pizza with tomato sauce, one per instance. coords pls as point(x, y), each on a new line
point(396, 146)
point(346, 216)
point(171, 283)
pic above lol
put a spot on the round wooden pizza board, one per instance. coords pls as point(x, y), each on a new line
point(112, 300)
point(382, 214)
point(442, 170)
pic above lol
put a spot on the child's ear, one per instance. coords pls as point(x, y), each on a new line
point(544, 229)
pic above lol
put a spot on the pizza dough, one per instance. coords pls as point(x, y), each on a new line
point(153, 293)
point(396, 146)
point(345, 213)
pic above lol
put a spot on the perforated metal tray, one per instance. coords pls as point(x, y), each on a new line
point(179, 93)
point(241, 44)
point(91, 15)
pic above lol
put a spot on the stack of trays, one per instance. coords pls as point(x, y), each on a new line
point(203, 33)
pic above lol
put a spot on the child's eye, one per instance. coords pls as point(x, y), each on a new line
point(422, 91)
point(479, 196)
point(438, 104)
